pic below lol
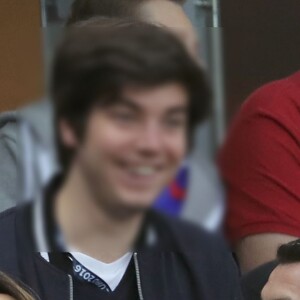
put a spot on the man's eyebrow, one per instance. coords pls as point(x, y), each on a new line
point(126, 102)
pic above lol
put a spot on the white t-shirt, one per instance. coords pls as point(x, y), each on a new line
point(111, 273)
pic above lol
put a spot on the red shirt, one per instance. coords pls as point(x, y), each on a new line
point(260, 162)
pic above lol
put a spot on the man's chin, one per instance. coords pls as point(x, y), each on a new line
point(137, 200)
point(136, 206)
point(123, 209)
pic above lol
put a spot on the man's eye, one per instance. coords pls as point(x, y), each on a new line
point(123, 116)
point(176, 123)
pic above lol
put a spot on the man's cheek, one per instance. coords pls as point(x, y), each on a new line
point(113, 139)
point(178, 149)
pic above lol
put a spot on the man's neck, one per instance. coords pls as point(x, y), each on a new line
point(90, 229)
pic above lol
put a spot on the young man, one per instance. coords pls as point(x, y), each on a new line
point(27, 133)
point(26, 138)
point(127, 97)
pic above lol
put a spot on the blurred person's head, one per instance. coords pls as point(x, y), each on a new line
point(11, 290)
point(167, 13)
point(127, 98)
point(284, 281)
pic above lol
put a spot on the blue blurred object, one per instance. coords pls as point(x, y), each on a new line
point(172, 199)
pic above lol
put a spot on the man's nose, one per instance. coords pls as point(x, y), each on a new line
point(150, 139)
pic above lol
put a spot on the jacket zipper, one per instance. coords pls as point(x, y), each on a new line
point(71, 289)
point(138, 276)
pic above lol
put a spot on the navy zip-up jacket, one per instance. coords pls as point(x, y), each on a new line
point(189, 264)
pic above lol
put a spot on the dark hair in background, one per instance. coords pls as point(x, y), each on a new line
point(85, 9)
point(289, 253)
point(99, 57)
point(11, 288)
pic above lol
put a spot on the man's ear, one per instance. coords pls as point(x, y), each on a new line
point(67, 134)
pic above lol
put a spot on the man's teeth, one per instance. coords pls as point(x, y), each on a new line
point(143, 171)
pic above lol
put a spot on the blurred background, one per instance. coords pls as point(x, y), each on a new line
point(244, 44)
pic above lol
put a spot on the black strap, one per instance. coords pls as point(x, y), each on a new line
point(69, 264)
point(62, 261)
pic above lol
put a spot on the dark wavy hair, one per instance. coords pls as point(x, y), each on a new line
point(289, 253)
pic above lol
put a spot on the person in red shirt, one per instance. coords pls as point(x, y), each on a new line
point(260, 165)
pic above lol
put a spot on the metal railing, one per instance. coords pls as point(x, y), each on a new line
point(211, 7)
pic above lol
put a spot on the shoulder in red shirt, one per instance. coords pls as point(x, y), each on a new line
point(260, 162)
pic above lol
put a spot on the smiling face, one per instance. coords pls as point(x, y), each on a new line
point(283, 283)
point(134, 147)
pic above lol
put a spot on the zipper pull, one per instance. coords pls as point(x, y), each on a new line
point(138, 276)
